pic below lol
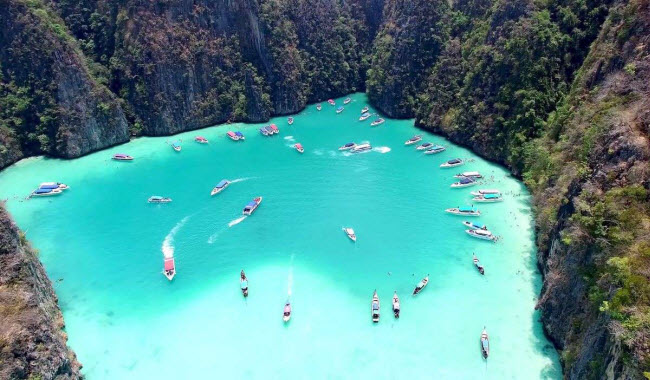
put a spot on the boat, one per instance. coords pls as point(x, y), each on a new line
point(464, 182)
point(481, 233)
point(177, 146)
point(233, 136)
point(452, 163)
point(364, 116)
point(360, 148)
point(274, 128)
point(169, 268)
point(240, 135)
point(488, 198)
point(469, 211)
point(374, 307)
point(45, 192)
point(220, 187)
point(424, 146)
point(485, 344)
point(201, 140)
point(435, 149)
point(122, 157)
point(365, 110)
point(485, 191)
point(158, 199)
point(319, 107)
point(469, 174)
point(413, 140)
point(350, 232)
point(377, 122)
point(347, 100)
point(263, 131)
point(421, 285)
point(252, 206)
point(348, 146)
point(340, 109)
point(243, 283)
point(299, 148)
point(286, 315)
point(396, 305)
point(478, 265)
point(331, 102)
point(53, 185)
point(474, 226)
point(290, 120)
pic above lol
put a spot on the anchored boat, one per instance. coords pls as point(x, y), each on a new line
point(158, 199)
point(481, 234)
point(340, 109)
point(469, 211)
point(469, 175)
point(201, 140)
point(421, 285)
point(413, 140)
point(374, 307)
point(286, 316)
point(365, 110)
point(452, 163)
point(396, 305)
point(424, 146)
point(220, 187)
point(232, 135)
point(122, 157)
point(290, 120)
point(488, 198)
point(478, 265)
point(377, 122)
point(474, 226)
point(347, 100)
point(274, 128)
point(464, 182)
point(45, 192)
point(319, 107)
point(240, 135)
point(53, 185)
point(264, 132)
point(485, 344)
point(350, 232)
point(176, 145)
point(252, 206)
point(485, 192)
point(331, 102)
point(364, 116)
point(169, 268)
point(243, 283)
point(435, 149)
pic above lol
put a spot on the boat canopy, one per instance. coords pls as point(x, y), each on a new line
point(466, 209)
point(454, 161)
point(365, 114)
point(375, 305)
point(427, 144)
point(465, 181)
point(340, 109)
point(169, 264)
point(42, 190)
point(273, 127)
point(244, 284)
point(231, 133)
point(120, 155)
point(239, 134)
point(349, 144)
point(222, 183)
point(251, 204)
point(299, 146)
point(492, 196)
point(49, 186)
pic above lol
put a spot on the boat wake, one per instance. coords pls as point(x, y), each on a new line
point(236, 221)
point(381, 149)
point(241, 179)
point(290, 138)
point(168, 244)
point(318, 152)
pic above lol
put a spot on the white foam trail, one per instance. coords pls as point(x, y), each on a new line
point(381, 149)
point(318, 152)
point(168, 244)
point(241, 179)
point(236, 221)
point(213, 237)
point(331, 153)
point(290, 138)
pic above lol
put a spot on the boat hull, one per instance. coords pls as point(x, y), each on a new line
point(479, 236)
point(451, 211)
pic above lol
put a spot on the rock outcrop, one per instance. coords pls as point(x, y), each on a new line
point(32, 342)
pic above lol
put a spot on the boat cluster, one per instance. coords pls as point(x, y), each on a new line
point(47, 189)
point(427, 147)
point(269, 130)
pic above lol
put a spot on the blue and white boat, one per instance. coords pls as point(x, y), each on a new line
point(464, 182)
point(488, 198)
point(122, 157)
point(159, 199)
point(264, 132)
point(413, 140)
point(485, 191)
point(348, 146)
point(452, 163)
point(340, 109)
point(45, 192)
point(467, 211)
point(53, 185)
point(424, 146)
point(435, 149)
point(365, 110)
point(474, 226)
point(220, 187)
point(378, 121)
point(364, 116)
point(240, 135)
point(177, 146)
point(252, 206)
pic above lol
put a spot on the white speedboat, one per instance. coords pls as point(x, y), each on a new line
point(286, 315)
point(396, 305)
point(45, 192)
point(252, 206)
point(290, 120)
point(374, 307)
point(220, 187)
point(413, 140)
point(364, 116)
point(176, 145)
point(467, 211)
point(361, 148)
point(365, 110)
point(158, 199)
point(435, 149)
point(243, 283)
point(347, 100)
point(485, 344)
point(485, 191)
point(469, 175)
point(340, 109)
point(477, 264)
point(53, 185)
point(377, 122)
point(201, 140)
point(421, 285)
point(350, 232)
point(481, 234)
point(331, 102)
point(464, 182)
point(347, 146)
point(488, 198)
point(122, 157)
point(452, 163)
point(424, 146)
point(169, 268)
point(319, 107)
point(264, 131)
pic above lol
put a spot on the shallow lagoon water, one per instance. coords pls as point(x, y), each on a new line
point(102, 245)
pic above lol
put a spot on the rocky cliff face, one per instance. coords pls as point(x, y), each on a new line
point(49, 102)
point(32, 343)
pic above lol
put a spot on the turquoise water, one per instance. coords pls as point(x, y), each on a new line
point(102, 245)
